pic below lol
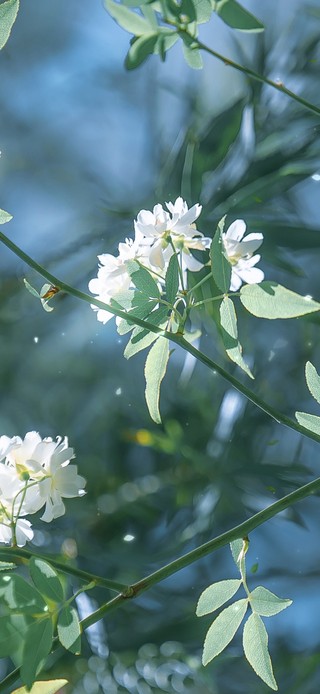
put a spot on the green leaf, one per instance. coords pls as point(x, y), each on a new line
point(191, 53)
point(8, 637)
point(141, 338)
point(143, 280)
point(255, 646)
point(236, 549)
point(155, 369)
point(5, 565)
point(220, 266)
point(203, 9)
point(313, 381)
point(44, 687)
point(37, 646)
point(141, 310)
point(266, 603)
point(172, 279)
point(8, 15)
point(20, 595)
point(309, 421)
point(237, 17)
point(216, 595)
point(229, 333)
point(69, 629)
point(46, 579)
point(4, 216)
point(128, 20)
point(271, 300)
point(140, 49)
point(223, 630)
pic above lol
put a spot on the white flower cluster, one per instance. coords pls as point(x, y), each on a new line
point(240, 255)
point(34, 473)
point(159, 234)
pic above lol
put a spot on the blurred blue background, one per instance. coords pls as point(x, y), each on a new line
point(85, 146)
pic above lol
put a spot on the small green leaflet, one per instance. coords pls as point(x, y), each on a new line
point(45, 687)
point(8, 637)
point(37, 646)
point(266, 603)
point(255, 646)
point(223, 630)
point(155, 369)
point(5, 565)
point(4, 216)
point(220, 266)
point(229, 334)
point(172, 279)
point(128, 20)
point(143, 280)
point(191, 52)
point(8, 15)
point(46, 579)
point(313, 381)
point(237, 17)
point(69, 629)
point(271, 300)
point(216, 595)
point(20, 595)
point(309, 421)
point(141, 338)
point(140, 49)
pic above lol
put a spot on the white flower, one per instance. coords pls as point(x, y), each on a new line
point(239, 252)
point(113, 276)
point(23, 532)
point(164, 232)
point(35, 473)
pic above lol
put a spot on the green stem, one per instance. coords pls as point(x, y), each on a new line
point(279, 86)
point(12, 553)
point(174, 337)
point(173, 567)
point(235, 533)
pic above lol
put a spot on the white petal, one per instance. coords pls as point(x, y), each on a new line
point(236, 230)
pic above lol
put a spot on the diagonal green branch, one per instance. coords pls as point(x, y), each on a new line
point(238, 531)
point(174, 337)
point(22, 556)
point(279, 86)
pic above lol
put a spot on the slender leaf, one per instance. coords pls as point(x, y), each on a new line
point(69, 629)
point(37, 646)
point(142, 310)
point(191, 53)
point(20, 595)
point(237, 17)
point(172, 279)
point(155, 369)
point(8, 637)
point(143, 280)
point(8, 15)
point(271, 300)
point(220, 266)
point(4, 216)
point(255, 646)
point(266, 603)
point(6, 565)
point(229, 332)
point(128, 20)
point(313, 381)
point(223, 630)
point(140, 49)
point(203, 10)
point(309, 421)
point(44, 687)
point(236, 549)
point(216, 595)
point(46, 579)
point(141, 338)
